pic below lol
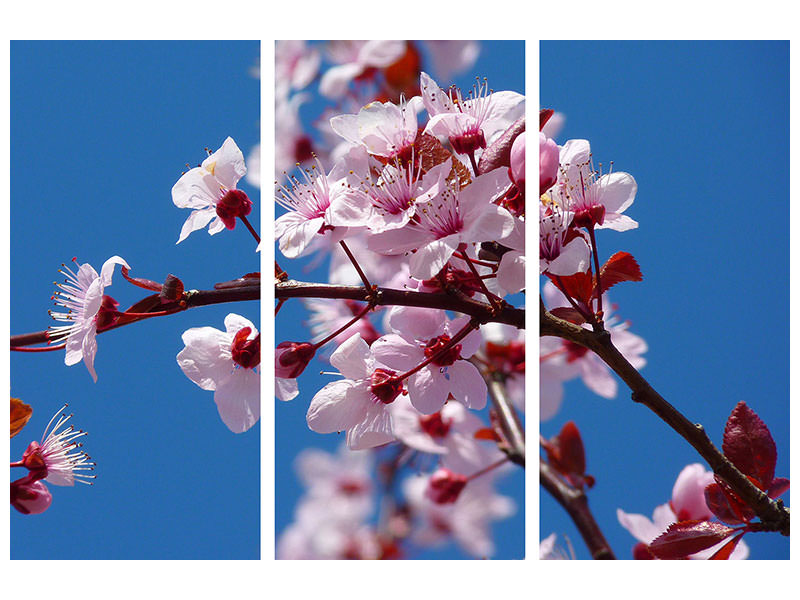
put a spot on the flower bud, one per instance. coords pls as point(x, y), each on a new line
point(518, 159)
point(548, 163)
point(688, 494)
point(30, 497)
point(291, 358)
point(234, 203)
point(444, 486)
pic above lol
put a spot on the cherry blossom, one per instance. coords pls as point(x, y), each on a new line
point(562, 250)
point(359, 403)
point(211, 185)
point(579, 361)
point(383, 128)
point(227, 363)
point(467, 520)
point(419, 334)
point(354, 57)
point(594, 199)
point(548, 163)
point(55, 459)
point(469, 123)
point(687, 503)
point(87, 309)
point(454, 217)
point(309, 204)
point(296, 63)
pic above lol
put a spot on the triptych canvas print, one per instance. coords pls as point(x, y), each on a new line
point(389, 413)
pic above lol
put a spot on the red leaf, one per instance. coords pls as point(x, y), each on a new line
point(566, 455)
point(578, 286)
point(725, 505)
point(620, 267)
point(20, 414)
point(748, 444)
point(687, 537)
point(486, 433)
point(778, 486)
point(724, 553)
point(568, 314)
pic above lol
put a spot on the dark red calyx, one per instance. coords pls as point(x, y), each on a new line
point(468, 142)
point(384, 386)
point(246, 353)
point(434, 425)
point(291, 358)
point(234, 203)
point(108, 314)
point(590, 217)
point(444, 486)
point(446, 358)
point(34, 461)
point(508, 358)
point(303, 149)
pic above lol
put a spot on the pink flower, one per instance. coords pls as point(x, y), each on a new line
point(30, 497)
point(212, 184)
point(688, 502)
point(354, 58)
point(444, 486)
point(55, 460)
point(469, 123)
point(420, 333)
point(557, 255)
point(594, 199)
point(577, 360)
point(87, 309)
point(358, 404)
point(309, 206)
point(548, 163)
point(384, 129)
point(296, 63)
point(456, 216)
point(393, 200)
point(227, 363)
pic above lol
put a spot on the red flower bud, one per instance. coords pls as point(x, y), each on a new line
point(291, 358)
point(444, 486)
point(30, 497)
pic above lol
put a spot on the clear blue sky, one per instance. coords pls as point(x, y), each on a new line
point(704, 129)
point(100, 132)
point(503, 64)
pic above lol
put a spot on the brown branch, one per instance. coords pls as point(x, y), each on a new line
point(246, 291)
point(510, 425)
point(481, 311)
point(771, 512)
point(576, 504)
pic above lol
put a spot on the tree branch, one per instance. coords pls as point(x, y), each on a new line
point(576, 504)
point(192, 298)
point(771, 512)
point(461, 303)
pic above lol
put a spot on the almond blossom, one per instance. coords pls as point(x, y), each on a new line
point(210, 186)
point(227, 363)
point(87, 309)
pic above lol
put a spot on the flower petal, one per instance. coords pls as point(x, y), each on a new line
point(238, 400)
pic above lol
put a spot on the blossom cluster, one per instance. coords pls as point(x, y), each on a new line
point(405, 193)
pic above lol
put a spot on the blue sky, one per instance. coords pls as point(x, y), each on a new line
point(704, 129)
point(503, 64)
point(100, 132)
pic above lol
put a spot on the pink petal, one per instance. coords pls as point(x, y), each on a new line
point(338, 406)
point(428, 390)
point(467, 385)
point(239, 400)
